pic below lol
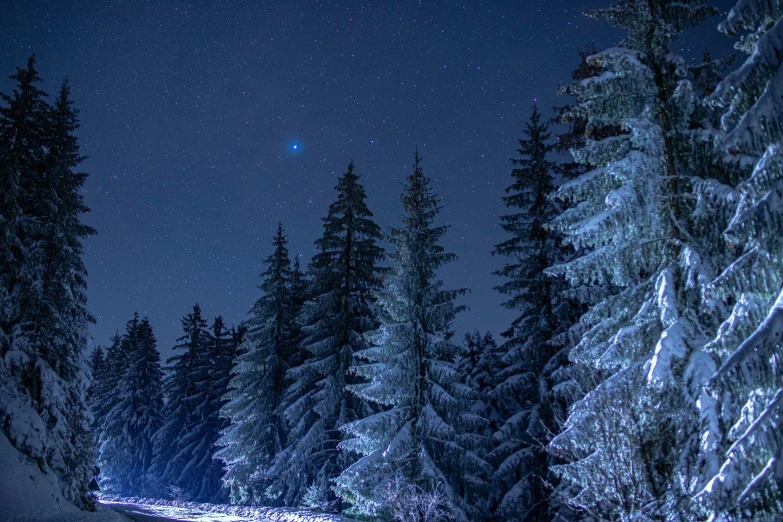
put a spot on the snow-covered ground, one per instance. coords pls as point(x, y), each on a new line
point(29, 495)
point(149, 509)
point(103, 514)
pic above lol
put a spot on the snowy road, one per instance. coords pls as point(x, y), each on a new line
point(171, 514)
point(156, 510)
point(138, 513)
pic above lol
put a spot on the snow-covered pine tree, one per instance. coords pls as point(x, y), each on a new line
point(127, 438)
point(520, 483)
point(200, 477)
point(639, 218)
point(210, 471)
point(290, 483)
point(574, 135)
point(743, 445)
point(97, 369)
point(97, 361)
point(185, 392)
point(195, 447)
point(109, 392)
point(21, 153)
point(568, 380)
point(336, 317)
point(104, 393)
point(478, 366)
point(415, 439)
point(43, 315)
point(258, 432)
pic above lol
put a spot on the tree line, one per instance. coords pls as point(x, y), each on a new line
point(640, 380)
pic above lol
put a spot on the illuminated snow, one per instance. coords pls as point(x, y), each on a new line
point(194, 512)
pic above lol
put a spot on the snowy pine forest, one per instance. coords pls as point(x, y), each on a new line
point(640, 381)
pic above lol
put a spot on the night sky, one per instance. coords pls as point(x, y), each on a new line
point(207, 122)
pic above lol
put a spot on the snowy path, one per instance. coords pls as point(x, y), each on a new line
point(155, 510)
point(139, 513)
point(172, 514)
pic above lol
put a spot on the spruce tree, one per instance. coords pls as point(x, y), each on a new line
point(43, 315)
point(194, 447)
point(129, 428)
point(339, 311)
point(413, 442)
point(649, 245)
point(22, 144)
point(222, 353)
point(258, 432)
point(104, 393)
point(742, 445)
point(185, 393)
point(521, 478)
point(199, 479)
point(97, 363)
point(290, 481)
point(479, 366)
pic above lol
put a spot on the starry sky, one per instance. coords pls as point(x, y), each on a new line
point(207, 122)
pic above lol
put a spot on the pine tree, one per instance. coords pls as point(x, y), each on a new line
point(414, 440)
point(521, 479)
point(258, 432)
point(43, 315)
point(742, 446)
point(97, 362)
point(339, 311)
point(105, 392)
point(127, 439)
point(479, 366)
point(567, 380)
point(222, 353)
point(199, 479)
point(577, 131)
point(290, 481)
point(98, 368)
point(22, 149)
point(195, 446)
point(649, 245)
point(185, 394)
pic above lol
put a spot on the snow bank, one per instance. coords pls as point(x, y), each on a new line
point(181, 510)
point(29, 495)
point(24, 488)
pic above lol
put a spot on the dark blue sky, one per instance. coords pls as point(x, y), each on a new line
point(190, 111)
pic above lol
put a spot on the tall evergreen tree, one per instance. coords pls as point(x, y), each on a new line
point(521, 480)
point(742, 446)
point(185, 394)
point(97, 361)
point(105, 392)
point(411, 375)
point(649, 248)
point(127, 439)
point(258, 432)
point(22, 136)
point(199, 479)
point(195, 446)
point(337, 315)
point(210, 470)
point(43, 315)
point(479, 366)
